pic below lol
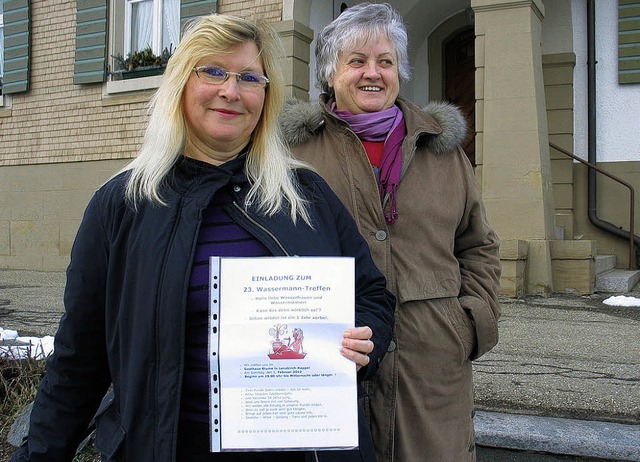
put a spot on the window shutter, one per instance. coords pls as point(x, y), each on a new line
point(629, 41)
point(190, 9)
point(91, 41)
point(17, 40)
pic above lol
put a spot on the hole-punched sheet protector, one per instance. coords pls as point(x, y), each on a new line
point(278, 380)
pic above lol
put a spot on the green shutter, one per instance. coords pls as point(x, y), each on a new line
point(629, 41)
point(190, 9)
point(17, 41)
point(91, 41)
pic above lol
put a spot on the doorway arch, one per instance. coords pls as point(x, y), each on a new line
point(459, 81)
point(452, 70)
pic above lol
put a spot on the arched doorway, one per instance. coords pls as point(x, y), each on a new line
point(459, 83)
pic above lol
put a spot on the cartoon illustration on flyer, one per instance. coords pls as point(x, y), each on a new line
point(286, 347)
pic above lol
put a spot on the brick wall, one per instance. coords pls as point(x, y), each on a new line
point(258, 9)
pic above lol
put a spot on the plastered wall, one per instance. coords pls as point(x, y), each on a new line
point(41, 207)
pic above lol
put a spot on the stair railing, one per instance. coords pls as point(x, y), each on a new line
point(632, 258)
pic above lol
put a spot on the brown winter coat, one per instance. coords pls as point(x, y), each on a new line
point(441, 260)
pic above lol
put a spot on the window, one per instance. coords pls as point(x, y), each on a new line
point(108, 30)
point(144, 33)
point(151, 24)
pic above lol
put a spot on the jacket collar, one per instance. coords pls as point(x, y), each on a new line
point(440, 124)
point(189, 173)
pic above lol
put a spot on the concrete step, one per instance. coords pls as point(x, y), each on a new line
point(552, 436)
point(605, 263)
point(617, 281)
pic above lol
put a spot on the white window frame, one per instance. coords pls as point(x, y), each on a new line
point(119, 87)
point(156, 35)
point(120, 42)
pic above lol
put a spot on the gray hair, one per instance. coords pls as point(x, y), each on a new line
point(357, 24)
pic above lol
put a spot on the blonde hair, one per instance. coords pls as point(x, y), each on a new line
point(269, 164)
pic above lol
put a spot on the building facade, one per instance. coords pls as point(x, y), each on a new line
point(538, 80)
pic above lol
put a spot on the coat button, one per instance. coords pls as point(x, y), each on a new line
point(381, 235)
point(391, 347)
point(237, 188)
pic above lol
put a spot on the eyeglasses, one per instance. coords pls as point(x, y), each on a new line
point(218, 75)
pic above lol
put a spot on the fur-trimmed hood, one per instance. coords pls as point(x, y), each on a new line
point(441, 123)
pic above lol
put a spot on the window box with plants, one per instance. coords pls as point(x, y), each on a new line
point(141, 63)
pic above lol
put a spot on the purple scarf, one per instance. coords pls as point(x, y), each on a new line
point(387, 126)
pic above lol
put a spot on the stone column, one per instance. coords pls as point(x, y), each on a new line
point(296, 38)
point(512, 137)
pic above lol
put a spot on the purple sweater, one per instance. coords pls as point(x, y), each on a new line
point(219, 236)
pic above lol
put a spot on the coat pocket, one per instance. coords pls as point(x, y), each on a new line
point(463, 326)
point(109, 433)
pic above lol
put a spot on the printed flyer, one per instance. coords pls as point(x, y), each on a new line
point(278, 380)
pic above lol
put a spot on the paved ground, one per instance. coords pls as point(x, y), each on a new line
point(563, 383)
point(31, 301)
point(564, 356)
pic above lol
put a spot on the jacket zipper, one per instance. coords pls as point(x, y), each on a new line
point(255, 223)
point(315, 456)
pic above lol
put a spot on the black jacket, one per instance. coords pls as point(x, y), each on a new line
point(125, 304)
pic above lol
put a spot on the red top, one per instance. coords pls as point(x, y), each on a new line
point(374, 151)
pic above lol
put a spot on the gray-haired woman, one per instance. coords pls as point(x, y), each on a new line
point(411, 189)
point(213, 178)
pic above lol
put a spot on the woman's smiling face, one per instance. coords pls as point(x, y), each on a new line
point(221, 117)
point(366, 77)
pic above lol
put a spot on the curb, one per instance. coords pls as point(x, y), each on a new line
point(560, 436)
